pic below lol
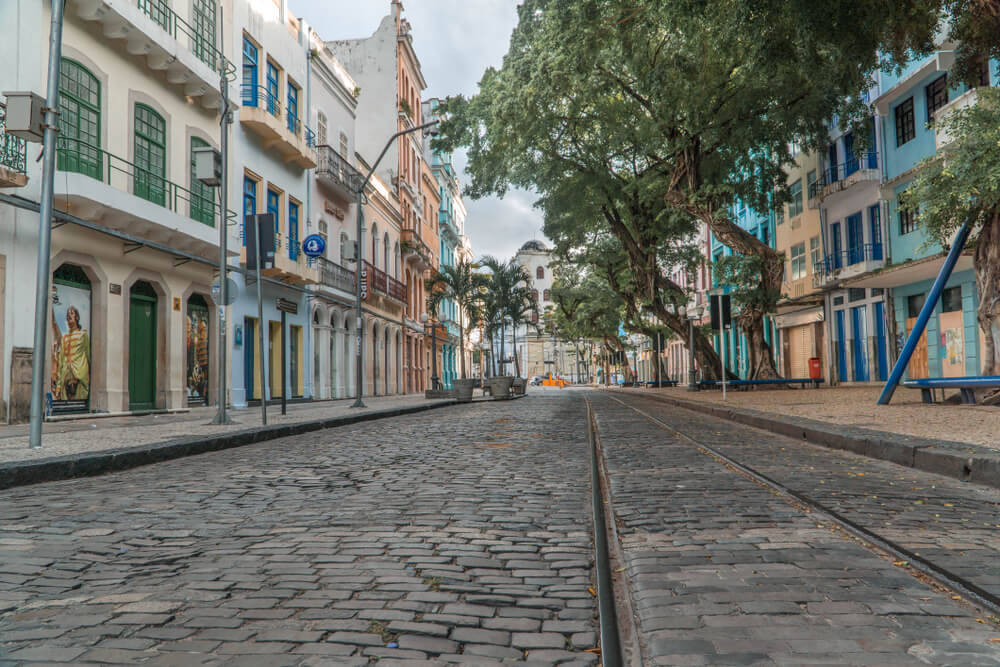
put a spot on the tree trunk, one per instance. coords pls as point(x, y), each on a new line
point(987, 267)
point(743, 242)
point(503, 350)
point(513, 345)
point(461, 349)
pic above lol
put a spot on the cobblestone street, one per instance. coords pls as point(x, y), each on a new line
point(463, 535)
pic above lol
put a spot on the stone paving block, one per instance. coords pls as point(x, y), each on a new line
point(480, 636)
point(537, 640)
point(426, 644)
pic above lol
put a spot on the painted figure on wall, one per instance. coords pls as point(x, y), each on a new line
point(197, 351)
point(70, 349)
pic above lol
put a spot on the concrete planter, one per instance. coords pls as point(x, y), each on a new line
point(518, 386)
point(463, 389)
point(500, 387)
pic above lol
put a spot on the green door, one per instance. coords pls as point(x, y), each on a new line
point(142, 347)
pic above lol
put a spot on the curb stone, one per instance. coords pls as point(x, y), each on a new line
point(86, 464)
point(966, 462)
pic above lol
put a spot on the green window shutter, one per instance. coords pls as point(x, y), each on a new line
point(149, 180)
point(78, 147)
point(202, 204)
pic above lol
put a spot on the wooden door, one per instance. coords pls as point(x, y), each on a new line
point(142, 347)
point(918, 367)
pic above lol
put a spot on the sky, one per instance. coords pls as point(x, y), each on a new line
point(455, 40)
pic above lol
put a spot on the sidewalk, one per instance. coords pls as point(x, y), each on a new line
point(856, 406)
point(92, 435)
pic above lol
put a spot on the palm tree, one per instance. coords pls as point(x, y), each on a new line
point(519, 311)
point(462, 285)
point(508, 286)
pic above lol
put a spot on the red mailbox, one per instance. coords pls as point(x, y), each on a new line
point(815, 369)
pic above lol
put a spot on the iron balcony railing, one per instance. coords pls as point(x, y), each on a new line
point(258, 96)
point(382, 282)
point(13, 150)
point(838, 172)
point(78, 156)
point(869, 252)
point(202, 45)
point(334, 167)
point(336, 276)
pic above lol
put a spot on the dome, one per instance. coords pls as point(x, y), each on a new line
point(534, 245)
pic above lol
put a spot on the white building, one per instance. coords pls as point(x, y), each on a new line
point(132, 319)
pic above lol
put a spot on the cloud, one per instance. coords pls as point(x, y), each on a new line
point(455, 40)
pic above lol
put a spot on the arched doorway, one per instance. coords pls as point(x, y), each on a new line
point(197, 345)
point(142, 347)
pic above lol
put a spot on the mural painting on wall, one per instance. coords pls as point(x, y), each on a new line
point(70, 378)
point(197, 351)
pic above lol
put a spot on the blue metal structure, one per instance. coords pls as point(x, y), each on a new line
point(925, 315)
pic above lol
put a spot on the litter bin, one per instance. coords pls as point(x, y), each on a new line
point(815, 370)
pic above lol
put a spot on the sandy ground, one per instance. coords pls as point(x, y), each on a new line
point(857, 406)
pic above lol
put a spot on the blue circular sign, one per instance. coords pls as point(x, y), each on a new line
point(313, 245)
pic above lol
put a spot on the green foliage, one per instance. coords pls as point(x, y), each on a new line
point(743, 274)
point(462, 285)
point(962, 184)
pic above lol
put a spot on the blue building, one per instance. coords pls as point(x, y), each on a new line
point(737, 343)
point(908, 104)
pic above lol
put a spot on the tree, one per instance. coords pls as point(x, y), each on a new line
point(693, 102)
point(961, 186)
point(508, 295)
point(462, 285)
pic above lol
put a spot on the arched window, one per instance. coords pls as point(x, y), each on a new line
point(320, 129)
point(395, 260)
point(385, 253)
point(79, 141)
point(534, 295)
point(545, 295)
point(540, 272)
point(70, 340)
point(374, 245)
point(150, 155)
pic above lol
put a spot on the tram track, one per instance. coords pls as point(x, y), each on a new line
point(907, 559)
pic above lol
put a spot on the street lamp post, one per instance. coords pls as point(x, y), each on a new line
point(425, 318)
point(693, 314)
point(359, 356)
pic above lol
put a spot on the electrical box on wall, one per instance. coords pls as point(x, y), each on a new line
point(24, 117)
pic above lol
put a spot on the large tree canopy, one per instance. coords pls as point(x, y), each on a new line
point(694, 103)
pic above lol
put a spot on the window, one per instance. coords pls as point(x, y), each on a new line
point(274, 208)
point(293, 230)
point(811, 184)
point(765, 234)
point(249, 203)
point(79, 139)
point(250, 73)
point(983, 69)
point(344, 146)
point(815, 253)
point(293, 108)
point(795, 207)
point(907, 220)
point(875, 224)
point(320, 128)
point(534, 295)
point(905, 129)
point(150, 155)
point(914, 303)
point(951, 300)
point(204, 32)
point(856, 294)
point(159, 11)
point(273, 79)
point(838, 301)
point(798, 254)
point(937, 95)
point(385, 253)
point(545, 295)
point(540, 273)
point(202, 201)
point(779, 215)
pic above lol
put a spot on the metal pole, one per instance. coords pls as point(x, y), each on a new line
point(659, 381)
point(284, 368)
point(264, 356)
point(925, 314)
point(359, 349)
point(692, 375)
point(722, 336)
point(45, 227)
point(223, 389)
point(434, 357)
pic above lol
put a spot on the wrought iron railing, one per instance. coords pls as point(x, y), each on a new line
point(854, 163)
point(78, 156)
point(869, 252)
point(382, 282)
point(334, 275)
point(333, 166)
point(258, 96)
point(199, 43)
point(13, 150)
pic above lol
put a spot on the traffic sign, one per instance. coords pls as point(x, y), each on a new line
point(314, 245)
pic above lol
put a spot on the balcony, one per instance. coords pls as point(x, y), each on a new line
point(264, 115)
point(967, 99)
point(446, 223)
point(848, 264)
point(401, 182)
point(290, 264)
point(171, 44)
point(842, 177)
point(334, 171)
point(13, 158)
point(97, 185)
point(335, 276)
point(381, 282)
point(451, 326)
point(414, 246)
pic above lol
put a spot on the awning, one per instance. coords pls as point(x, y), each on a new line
point(798, 303)
point(914, 271)
point(799, 317)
